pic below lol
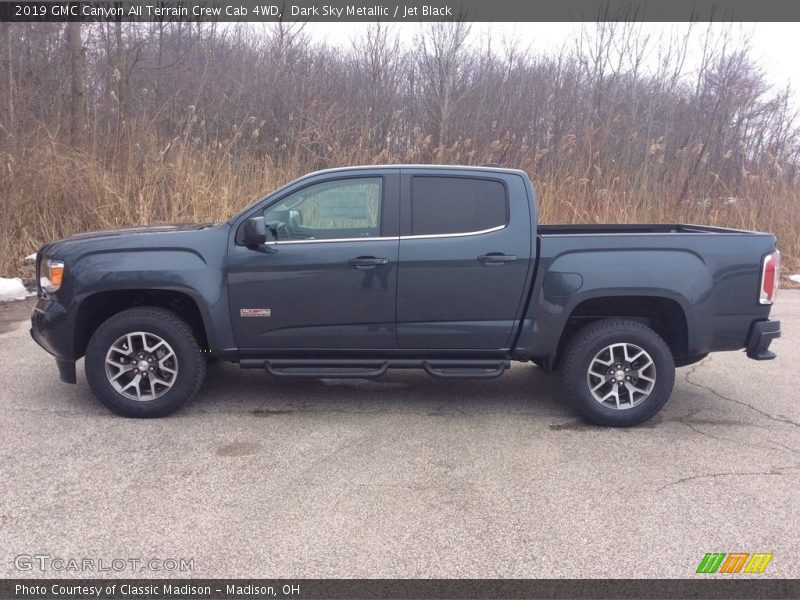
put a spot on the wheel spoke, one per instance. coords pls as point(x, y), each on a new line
point(614, 393)
point(164, 367)
point(119, 348)
point(156, 346)
point(121, 372)
point(630, 358)
point(135, 384)
point(119, 365)
point(156, 381)
point(608, 362)
point(633, 388)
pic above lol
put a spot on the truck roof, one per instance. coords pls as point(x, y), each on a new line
point(485, 168)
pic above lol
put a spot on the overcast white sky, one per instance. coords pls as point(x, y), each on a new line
point(776, 46)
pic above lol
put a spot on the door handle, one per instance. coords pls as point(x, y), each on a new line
point(367, 262)
point(496, 258)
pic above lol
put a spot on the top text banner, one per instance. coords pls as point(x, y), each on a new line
point(405, 11)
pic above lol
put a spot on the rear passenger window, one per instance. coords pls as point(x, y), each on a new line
point(441, 205)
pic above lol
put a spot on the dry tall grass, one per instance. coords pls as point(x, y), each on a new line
point(183, 122)
point(52, 191)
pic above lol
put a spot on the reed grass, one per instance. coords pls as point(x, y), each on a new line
point(51, 191)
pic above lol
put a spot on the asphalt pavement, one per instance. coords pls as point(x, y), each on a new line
point(405, 476)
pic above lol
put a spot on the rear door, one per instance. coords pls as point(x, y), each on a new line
point(465, 255)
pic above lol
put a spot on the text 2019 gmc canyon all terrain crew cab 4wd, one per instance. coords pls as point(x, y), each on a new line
point(350, 272)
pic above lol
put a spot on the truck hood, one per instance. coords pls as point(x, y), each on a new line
point(128, 231)
point(155, 237)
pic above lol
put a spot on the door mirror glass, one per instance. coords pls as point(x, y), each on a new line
point(255, 232)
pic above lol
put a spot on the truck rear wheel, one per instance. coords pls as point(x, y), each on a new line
point(618, 372)
point(144, 362)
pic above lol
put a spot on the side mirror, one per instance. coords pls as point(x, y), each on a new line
point(255, 232)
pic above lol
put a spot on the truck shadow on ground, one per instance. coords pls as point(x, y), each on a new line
point(525, 389)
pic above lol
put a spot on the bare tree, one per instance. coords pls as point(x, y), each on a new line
point(442, 65)
point(77, 102)
point(7, 95)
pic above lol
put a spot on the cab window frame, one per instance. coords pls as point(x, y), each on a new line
point(407, 231)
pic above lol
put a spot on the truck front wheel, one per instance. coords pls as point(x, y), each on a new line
point(618, 372)
point(144, 362)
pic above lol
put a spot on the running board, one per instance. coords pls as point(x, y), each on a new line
point(459, 369)
point(368, 369)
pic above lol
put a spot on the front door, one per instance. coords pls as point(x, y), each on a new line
point(327, 277)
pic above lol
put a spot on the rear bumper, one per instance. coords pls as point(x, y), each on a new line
point(761, 335)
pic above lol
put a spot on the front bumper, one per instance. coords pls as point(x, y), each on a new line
point(761, 335)
point(52, 329)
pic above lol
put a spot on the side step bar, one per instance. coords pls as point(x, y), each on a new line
point(368, 369)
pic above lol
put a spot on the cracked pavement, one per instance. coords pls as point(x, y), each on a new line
point(405, 476)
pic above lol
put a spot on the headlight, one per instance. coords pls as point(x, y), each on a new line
point(55, 274)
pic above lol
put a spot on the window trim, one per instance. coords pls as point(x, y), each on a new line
point(333, 241)
point(425, 236)
point(428, 236)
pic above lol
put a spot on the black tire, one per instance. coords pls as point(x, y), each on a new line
point(189, 363)
point(591, 344)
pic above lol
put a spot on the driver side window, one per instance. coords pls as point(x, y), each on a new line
point(341, 209)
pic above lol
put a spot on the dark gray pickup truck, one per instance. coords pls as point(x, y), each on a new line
point(350, 272)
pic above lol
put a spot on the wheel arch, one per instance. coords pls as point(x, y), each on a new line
point(664, 315)
point(97, 308)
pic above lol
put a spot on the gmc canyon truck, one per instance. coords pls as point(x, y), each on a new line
point(351, 272)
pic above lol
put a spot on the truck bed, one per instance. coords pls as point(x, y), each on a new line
point(709, 274)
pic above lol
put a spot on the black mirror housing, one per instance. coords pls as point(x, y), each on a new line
point(255, 232)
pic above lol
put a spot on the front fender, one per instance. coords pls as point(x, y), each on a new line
point(169, 269)
point(187, 262)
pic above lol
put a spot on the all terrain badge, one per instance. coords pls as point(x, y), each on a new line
point(254, 312)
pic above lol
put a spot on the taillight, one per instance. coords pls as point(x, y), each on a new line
point(770, 272)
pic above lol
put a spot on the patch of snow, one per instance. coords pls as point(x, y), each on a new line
point(795, 278)
point(12, 289)
point(31, 257)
